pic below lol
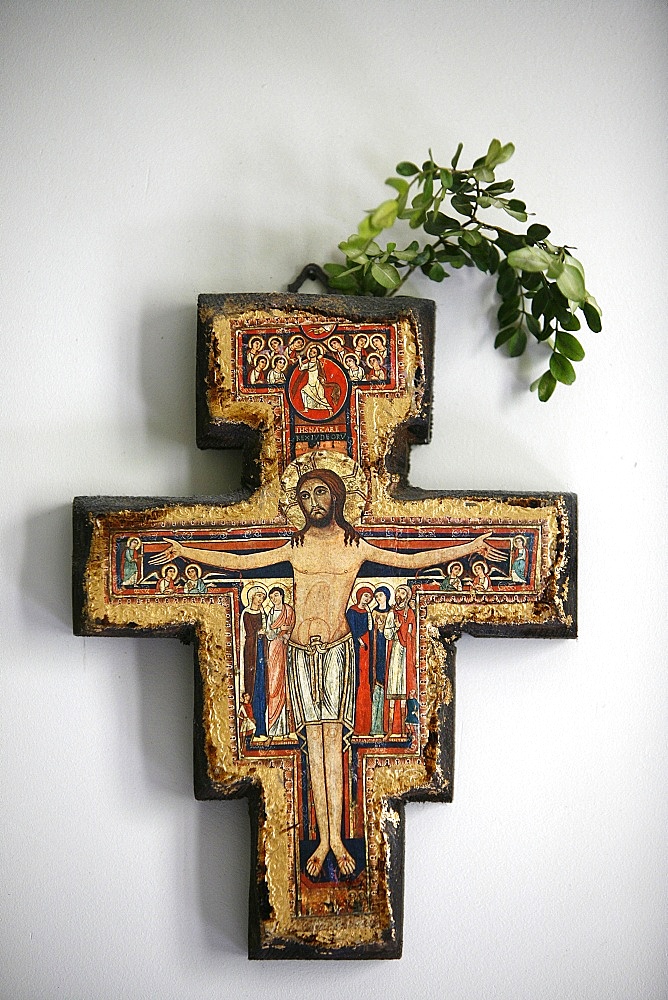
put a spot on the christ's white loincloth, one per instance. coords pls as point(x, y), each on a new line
point(321, 682)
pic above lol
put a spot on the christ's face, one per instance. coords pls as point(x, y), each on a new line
point(316, 501)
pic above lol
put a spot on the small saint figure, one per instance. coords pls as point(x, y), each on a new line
point(518, 560)
point(400, 629)
point(481, 581)
point(194, 583)
point(246, 720)
point(258, 375)
point(376, 372)
point(253, 622)
point(131, 562)
point(360, 622)
point(279, 365)
point(412, 708)
point(453, 580)
point(279, 623)
point(167, 582)
point(355, 370)
point(378, 653)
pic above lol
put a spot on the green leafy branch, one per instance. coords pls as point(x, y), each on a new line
point(541, 286)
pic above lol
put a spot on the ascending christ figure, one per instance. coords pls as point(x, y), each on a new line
point(326, 557)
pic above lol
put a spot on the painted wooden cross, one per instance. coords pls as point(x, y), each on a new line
point(323, 600)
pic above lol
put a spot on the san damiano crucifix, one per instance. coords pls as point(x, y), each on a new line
point(323, 600)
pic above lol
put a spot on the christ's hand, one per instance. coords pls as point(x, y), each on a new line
point(480, 546)
point(173, 550)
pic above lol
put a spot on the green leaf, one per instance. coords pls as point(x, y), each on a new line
point(493, 258)
point(436, 272)
point(507, 283)
point(386, 275)
point(417, 218)
point(483, 174)
point(366, 230)
point(592, 317)
point(409, 254)
point(399, 185)
point(503, 336)
point(500, 187)
point(529, 259)
point(385, 215)
point(533, 325)
point(406, 168)
point(536, 233)
point(491, 159)
point(515, 213)
point(462, 204)
point(508, 242)
point(517, 343)
point(472, 237)
point(570, 282)
point(569, 321)
point(505, 153)
point(508, 311)
point(530, 281)
point(540, 302)
point(569, 345)
point(545, 333)
point(455, 159)
point(446, 177)
point(421, 200)
point(546, 386)
point(562, 369)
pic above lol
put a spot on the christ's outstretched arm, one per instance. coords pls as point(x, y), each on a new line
point(433, 557)
point(224, 560)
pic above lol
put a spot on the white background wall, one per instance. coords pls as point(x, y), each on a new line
point(152, 151)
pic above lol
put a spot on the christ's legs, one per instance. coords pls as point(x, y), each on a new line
point(316, 766)
point(325, 756)
point(333, 747)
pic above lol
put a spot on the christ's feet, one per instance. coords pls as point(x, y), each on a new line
point(344, 860)
point(317, 860)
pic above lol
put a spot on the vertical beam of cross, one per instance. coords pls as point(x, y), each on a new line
point(323, 600)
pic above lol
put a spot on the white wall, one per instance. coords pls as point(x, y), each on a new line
point(152, 151)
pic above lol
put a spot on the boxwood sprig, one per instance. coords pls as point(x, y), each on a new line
point(541, 286)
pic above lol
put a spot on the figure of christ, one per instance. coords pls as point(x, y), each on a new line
point(326, 557)
point(280, 622)
point(313, 393)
